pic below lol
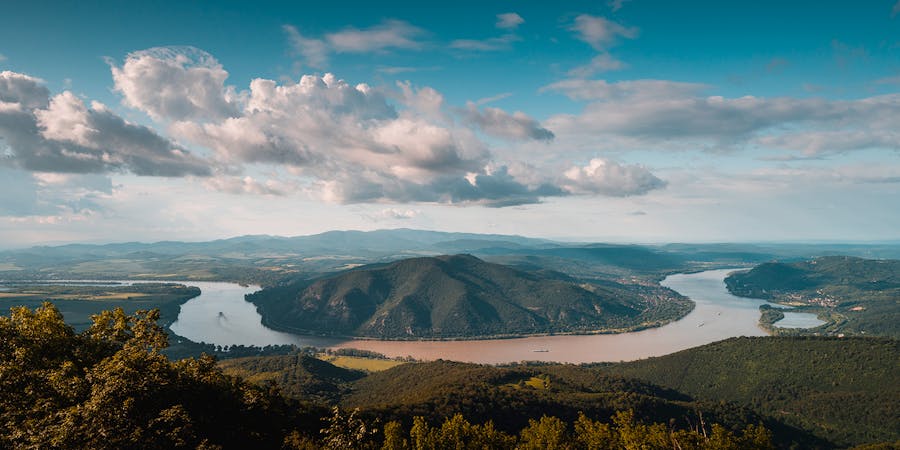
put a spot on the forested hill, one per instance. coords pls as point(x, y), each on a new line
point(772, 279)
point(856, 296)
point(845, 390)
point(456, 296)
point(814, 391)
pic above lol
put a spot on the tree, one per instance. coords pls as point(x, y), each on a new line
point(548, 433)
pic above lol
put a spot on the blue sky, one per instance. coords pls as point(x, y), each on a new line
point(636, 120)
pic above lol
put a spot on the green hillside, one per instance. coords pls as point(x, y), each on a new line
point(844, 390)
point(856, 296)
point(299, 375)
point(460, 296)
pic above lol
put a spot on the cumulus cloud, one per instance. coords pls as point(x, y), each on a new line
point(20, 91)
point(664, 113)
point(509, 20)
point(497, 122)
point(62, 134)
point(601, 33)
point(355, 146)
point(341, 142)
point(175, 83)
point(610, 178)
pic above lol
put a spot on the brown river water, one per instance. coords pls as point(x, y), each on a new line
point(221, 316)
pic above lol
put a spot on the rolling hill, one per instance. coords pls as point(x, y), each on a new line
point(843, 390)
point(449, 297)
point(858, 296)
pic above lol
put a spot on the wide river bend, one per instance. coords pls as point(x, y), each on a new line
point(221, 316)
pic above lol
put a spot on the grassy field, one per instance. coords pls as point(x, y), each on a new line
point(360, 363)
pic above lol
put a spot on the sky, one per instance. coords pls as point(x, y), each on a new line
point(618, 120)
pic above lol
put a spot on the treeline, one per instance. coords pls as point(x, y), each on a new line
point(110, 387)
point(844, 390)
point(348, 431)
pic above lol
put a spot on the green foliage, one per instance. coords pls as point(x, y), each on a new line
point(460, 296)
point(109, 387)
point(844, 390)
point(547, 433)
point(856, 296)
point(345, 431)
point(551, 433)
point(299, 375)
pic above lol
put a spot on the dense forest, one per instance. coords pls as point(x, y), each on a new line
point(816, 392)
point(854, 295)
point(460, 296)
point(109, 387)
point(844, 390)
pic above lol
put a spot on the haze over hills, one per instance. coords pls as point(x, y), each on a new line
point(450, 296)
point(268, 260)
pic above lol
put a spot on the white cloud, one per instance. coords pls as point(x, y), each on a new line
point(247, 185)
point(603, 62)
point(509, 20)
point(629, 90)
point(601, 33)
point(663, 113)
point(343, 143)
point(313, 51)
point(497, 122)
point(395, 70)
point(18, 90)
point(175, 83)
point(399, 214)
point(610, 178)
point(61, 134)
point(386, 35)
point(485, 45)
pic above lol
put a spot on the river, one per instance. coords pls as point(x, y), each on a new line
point(221, 316)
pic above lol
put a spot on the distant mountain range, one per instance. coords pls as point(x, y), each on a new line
point(270, 260)
point(444, 297)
